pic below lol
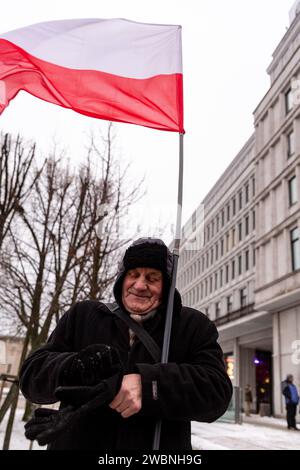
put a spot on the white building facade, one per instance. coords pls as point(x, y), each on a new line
point(240, 253)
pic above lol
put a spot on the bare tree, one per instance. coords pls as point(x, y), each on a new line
point(63, 246)
point(15, 165)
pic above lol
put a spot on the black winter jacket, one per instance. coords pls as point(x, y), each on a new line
point(192, 386)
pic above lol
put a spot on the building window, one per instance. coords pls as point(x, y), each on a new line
point(211, 256)
point(227, 273)
point(217, 251)
point(233, 206)
point(205, 287)
point(246, 225)
point(253, 186)
point(247, 193)
point(240, 264)
point(222, 246)
point(210, 284)
point(228, 212)
point(222, 218)
point(295, 247)
point(240, 200)
point(229, 303)
point(194, 221)
point(217, 223)
point(243, 297)
point(288, 100)
point(207, 260)
point(254, 259)
point(246, 260)
point(232, 269)
point(216, 281)
point(221, 277)
point(290, 144)
point(253, 219)
point(233, 236)
point(240, 231)
point(201, 290)
point(217, 309)
point(227, 242)
point(208, 233)
point(293, 197)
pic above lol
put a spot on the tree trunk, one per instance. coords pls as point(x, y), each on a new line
point(7, 402)
point(28, 411)
point(11, 418)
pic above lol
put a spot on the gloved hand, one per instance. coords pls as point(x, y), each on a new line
point(105, 391)
point(91, 365)
point(47, 424)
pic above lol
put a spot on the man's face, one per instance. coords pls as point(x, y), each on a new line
point(142, 290)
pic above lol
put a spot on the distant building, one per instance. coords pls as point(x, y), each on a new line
point(240, 252)
point(10, 354)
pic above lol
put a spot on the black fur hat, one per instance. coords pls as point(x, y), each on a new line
point(146, 253)
point(149, 253)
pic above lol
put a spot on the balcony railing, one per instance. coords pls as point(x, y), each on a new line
point(234, 315)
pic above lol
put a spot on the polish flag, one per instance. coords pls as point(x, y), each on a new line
point(111, 69)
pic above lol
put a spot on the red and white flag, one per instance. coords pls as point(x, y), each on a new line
point(111, 69)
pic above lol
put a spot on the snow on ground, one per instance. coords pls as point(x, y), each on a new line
point(257, 433)
point(18, 440)
point(264, 433)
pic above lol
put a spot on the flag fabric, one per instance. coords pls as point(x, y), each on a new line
point(111, 69)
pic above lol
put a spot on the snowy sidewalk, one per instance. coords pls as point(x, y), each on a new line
point(258, 433)
point(18, 440)
point(278, 423)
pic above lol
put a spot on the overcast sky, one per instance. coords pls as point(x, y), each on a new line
point(227, 46)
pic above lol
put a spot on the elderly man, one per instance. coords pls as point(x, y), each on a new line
point(105, 372)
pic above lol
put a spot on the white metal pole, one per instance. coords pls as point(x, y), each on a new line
point(170, 304)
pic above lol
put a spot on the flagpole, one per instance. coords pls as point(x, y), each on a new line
point(170, 304)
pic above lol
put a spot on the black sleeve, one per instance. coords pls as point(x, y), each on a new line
point(199, 389)
point(41, 371)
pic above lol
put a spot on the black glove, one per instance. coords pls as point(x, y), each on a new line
point(47, 424)
point(104, 392)
point(91, 365)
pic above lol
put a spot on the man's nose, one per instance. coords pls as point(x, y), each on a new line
point(140, 283)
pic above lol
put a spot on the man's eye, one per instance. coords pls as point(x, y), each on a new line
point(133, 274)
